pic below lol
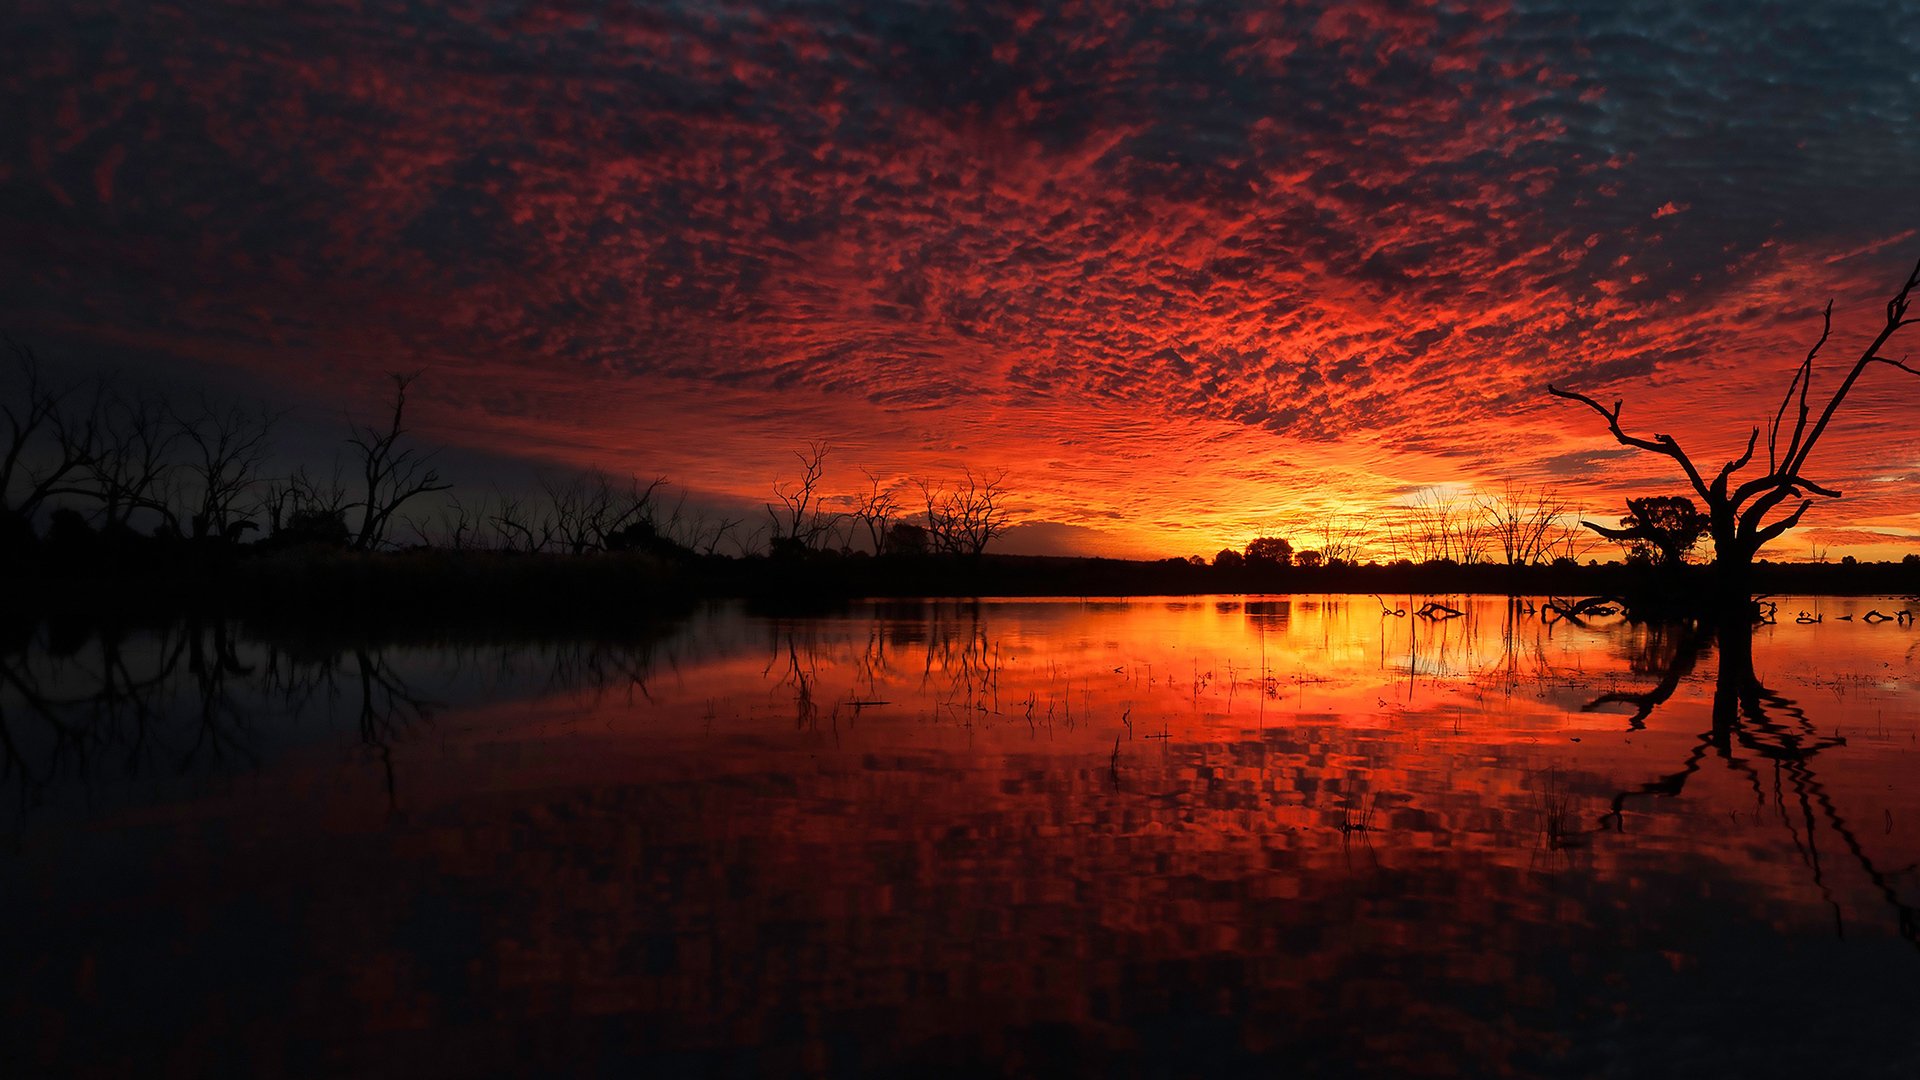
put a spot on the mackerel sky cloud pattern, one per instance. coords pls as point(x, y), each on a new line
point(1186, 270)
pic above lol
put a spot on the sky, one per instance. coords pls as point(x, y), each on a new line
point(1188, 273)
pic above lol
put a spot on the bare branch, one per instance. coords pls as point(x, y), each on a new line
point(875, 511)
point(799, 523)
point(1659, 444)
point(42, 417)
point(1726, 471)
point(964, 518)
point(229, 448)
point(392, 475)
point(1802, 381)
point(1738, 518)
point(1774, 530)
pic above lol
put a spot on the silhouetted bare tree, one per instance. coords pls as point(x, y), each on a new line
point(302, 507)
point(874, 511)
point(228, 447)
point(455, 526)
point(964, 518)
point(132, 465)
point(392, 473)
point(798, 524)
point(47, 440)
point(1522, 523)
point(1341, 538)
point(1737, 513)
point(521, 528)
point(1443, 527)
point(592, 513)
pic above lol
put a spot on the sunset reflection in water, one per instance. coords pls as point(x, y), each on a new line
point(1036, 837)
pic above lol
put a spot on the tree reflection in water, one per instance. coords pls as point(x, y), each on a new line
point(1163, 836)
point(1759, 733)
point(87, 706)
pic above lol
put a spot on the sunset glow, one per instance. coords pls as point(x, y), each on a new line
point(1189, 274)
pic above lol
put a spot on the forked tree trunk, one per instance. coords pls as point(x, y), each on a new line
point(1738, 512)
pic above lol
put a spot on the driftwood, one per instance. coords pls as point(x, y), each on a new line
point(1592, 607)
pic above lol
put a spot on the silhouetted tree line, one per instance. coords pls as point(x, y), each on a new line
point(104, 462)
point(1519, 526)
point(912, 517)
point(96, 474)
point(93, 469)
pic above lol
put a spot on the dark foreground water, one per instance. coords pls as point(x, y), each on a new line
point(1291, 836)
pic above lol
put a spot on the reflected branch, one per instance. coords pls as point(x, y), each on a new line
point(1761, 721)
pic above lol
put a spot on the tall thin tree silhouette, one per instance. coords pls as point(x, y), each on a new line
point(393, 473)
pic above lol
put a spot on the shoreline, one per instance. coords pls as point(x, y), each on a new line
point(530, 593)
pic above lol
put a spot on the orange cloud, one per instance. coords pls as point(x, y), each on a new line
point(1182, 277)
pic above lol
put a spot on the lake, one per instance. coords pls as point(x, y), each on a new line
point(1200, 836)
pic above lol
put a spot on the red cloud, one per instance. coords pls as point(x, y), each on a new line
point(1179, 278)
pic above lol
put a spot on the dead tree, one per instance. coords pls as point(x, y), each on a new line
point(303, 507)
point(875, 510)
point(456, 527)
point(798, 524)
point(1471, 539)
point(591, 514)
point(525, 530)
point(1567, 541)
point(131, 466)
point(1737, 511)
point(751, 541)
point(392, 473)
point(1341, 539)
point(47, 442)
point(1521, 523)
point(965, 518)
point(1427, 526)
point(228, 447)
point(1444, 529)
point(705, 534)
point(574, 505)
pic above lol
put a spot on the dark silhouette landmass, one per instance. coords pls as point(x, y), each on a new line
point(341, 589)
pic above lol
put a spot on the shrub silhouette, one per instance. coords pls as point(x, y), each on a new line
point(1269, 551)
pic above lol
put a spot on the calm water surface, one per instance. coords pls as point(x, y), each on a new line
point(1297, 836)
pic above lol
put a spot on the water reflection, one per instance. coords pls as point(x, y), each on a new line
point(1770, 741)
point(90, 714)
point(1304, 834)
